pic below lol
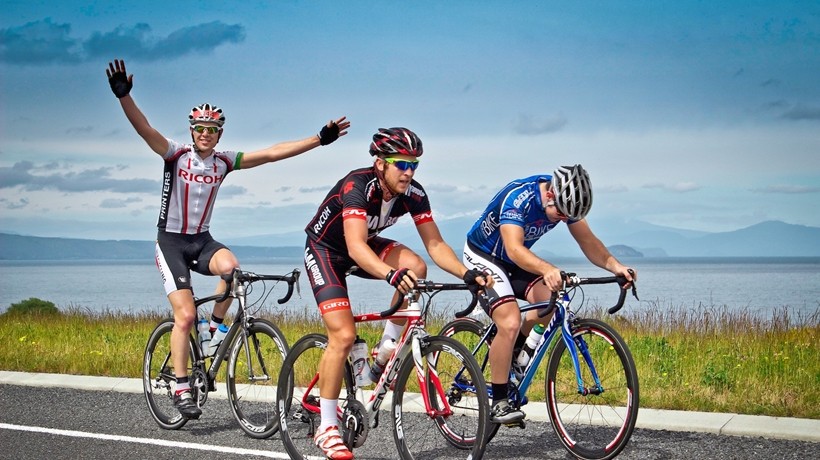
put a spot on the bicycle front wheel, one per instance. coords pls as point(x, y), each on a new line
point(254, 364)
point(450, 422)
point(596, 421)
point(159, 379)
point(469, 332)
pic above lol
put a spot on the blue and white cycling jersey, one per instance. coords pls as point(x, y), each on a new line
point(518, 203)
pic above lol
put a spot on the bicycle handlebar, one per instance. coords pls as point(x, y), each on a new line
point(240, 276)
point(571, 279)
point(423, 285)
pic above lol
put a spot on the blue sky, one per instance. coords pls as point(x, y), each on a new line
point(695, 115)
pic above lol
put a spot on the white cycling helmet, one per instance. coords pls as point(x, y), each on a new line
point(206, 113)
point(573, 191)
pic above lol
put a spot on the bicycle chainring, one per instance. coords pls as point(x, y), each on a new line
point(354, 424)
point(199, 386)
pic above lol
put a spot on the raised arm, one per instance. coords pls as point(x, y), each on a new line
point(329, 133)
point(121, 86)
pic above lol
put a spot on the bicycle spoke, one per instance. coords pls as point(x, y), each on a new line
point(430, 420)
point(159, 380)
point(251, 389)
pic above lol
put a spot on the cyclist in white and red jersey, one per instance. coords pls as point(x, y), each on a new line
point(190, 182)
point(499, 243)
point(343, 237)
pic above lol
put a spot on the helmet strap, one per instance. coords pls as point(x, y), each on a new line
point(387, 194)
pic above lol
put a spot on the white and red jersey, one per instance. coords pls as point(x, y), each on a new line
point(189, 187)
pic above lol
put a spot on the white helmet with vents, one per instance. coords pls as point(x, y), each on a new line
point(573, 191)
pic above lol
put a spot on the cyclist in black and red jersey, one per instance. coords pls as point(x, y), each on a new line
point(343, 237)
point(193, 174)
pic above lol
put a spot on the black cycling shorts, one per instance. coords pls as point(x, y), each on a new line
point(177, 254)
point(327, 269)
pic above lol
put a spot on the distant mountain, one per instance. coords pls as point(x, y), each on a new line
point(626, 238)
point(18, 247)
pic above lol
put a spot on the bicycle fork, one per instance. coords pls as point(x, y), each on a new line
point(574, 345)
point(418, 340)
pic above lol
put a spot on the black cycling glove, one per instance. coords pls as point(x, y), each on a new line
point(394, 276)
point(328, 134)
point(471, 275)
point(120, 84)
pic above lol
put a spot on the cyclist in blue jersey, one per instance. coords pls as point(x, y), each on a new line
point(192, 177)
point(343, 238)
point(499, 243)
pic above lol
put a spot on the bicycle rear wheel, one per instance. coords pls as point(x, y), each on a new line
point(596, 422)
point(457, 423)
point(254, 364)
point(297, 397)
point(158, 377)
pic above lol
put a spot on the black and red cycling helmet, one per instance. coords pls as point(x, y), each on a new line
point(396, 141)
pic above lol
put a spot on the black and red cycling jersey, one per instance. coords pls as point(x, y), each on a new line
point(358, 195)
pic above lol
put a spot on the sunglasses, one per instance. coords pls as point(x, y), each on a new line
point(201, 129)
point(403, 165)
point(558, 212)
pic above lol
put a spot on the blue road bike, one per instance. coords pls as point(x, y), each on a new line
point(591, 382)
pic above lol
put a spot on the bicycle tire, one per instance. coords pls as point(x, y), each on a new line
point(468, 332)
point(158, 378)
point(297, 396)
point(593, 426)
point(421, 436)
point(253, 373)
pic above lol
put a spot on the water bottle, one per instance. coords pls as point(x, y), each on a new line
point(218, 337)
point(204, 332)
point(529, 346)
point(381, 359)
point(361, 368)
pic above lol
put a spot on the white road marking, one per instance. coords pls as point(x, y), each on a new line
point(156, 442)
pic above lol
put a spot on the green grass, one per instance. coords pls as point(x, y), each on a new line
point(706, 359)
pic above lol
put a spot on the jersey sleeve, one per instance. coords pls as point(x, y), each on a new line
point(512, 207)
point(354, 202)
point(419, 204)
point(174, 148)
point(235, 158)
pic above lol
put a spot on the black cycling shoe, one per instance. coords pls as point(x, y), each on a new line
point(184, 402)
point(505, 414)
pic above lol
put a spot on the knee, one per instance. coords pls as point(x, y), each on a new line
point(509, 328)
point(508, 320)
point(224, 267)
point(184, 319)
point(342, 339)
point(418, 265)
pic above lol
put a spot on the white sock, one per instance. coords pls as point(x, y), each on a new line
point(329, 416)
point(391, 331)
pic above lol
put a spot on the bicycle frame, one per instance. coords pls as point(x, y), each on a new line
point(561, 319)
point(559, 322)
point(237, 282)
point(409, 344)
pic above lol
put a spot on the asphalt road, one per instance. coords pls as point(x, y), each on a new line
point(60, 423)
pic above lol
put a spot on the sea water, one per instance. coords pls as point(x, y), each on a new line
point(757, 285)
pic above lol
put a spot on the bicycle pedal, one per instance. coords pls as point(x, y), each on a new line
point(518, 424)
